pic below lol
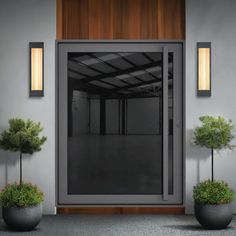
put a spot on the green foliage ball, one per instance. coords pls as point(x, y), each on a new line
point(213, 192)
point(20, 195)
point(22, 135)
point(214, 133)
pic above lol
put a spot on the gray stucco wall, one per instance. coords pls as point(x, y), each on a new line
point(34, 20)
point(213, 21)
point(21, 22)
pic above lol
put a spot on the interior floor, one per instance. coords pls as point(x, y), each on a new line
point(116, 164)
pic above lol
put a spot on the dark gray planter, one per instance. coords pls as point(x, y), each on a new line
point(22, 218)
point(214, 216)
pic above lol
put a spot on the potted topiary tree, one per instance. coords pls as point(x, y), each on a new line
point(213, 208)
point(22, 202)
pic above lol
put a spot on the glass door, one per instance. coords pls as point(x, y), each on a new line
point(120, 123)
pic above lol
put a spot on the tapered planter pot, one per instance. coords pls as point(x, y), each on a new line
point(22, 218)
point(214, 216)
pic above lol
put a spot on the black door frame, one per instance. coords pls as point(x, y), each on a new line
point(120, 42)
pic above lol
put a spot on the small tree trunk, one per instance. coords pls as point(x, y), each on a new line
point(212, 164)
point(20, 168)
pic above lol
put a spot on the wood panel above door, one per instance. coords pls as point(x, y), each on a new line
point(121, 210)
point(121, 19)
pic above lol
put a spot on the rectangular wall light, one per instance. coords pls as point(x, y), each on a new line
point(204, 69)
point(36, 69)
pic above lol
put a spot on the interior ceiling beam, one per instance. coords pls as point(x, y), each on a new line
point(112, 66)
point(110, 84)
point(140, 95)
point(127, 87)
point(85, 65)
point(75, 84)
point(152, 75)
point(136, 85)
point(119, 72)
point(77, 72)
point(105, 62)
point(147, 57)
point(127, 60)
point(91, 88)
point(116, 68)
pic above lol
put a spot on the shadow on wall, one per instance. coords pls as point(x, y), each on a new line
point(7, 160)
point(195, 170)
point(195, 153)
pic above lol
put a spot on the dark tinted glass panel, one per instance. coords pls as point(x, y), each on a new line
point(170, 118)
point(115, 123)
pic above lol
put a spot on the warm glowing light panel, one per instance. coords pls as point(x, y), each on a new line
point(36, 69)
point(204, 70)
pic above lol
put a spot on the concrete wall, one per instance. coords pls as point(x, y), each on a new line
point(143, 116)
point(213, 21)
point(80, 111)
point(20, 23)
point(95, 116)
point(112, 116)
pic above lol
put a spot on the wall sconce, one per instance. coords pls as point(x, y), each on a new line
point(36, 69)
point(204, 69)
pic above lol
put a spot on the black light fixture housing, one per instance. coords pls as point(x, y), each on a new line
point(204, 69)
point(36, 88)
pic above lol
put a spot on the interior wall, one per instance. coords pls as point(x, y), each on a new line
point(210, 21)
point(120, 19)
point(143, 116)
point(80, 110)
point(94, 116)
point(22, 22)
point(112, 116)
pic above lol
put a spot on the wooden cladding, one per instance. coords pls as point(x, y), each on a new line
point(121, 210)
point(121, 19)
